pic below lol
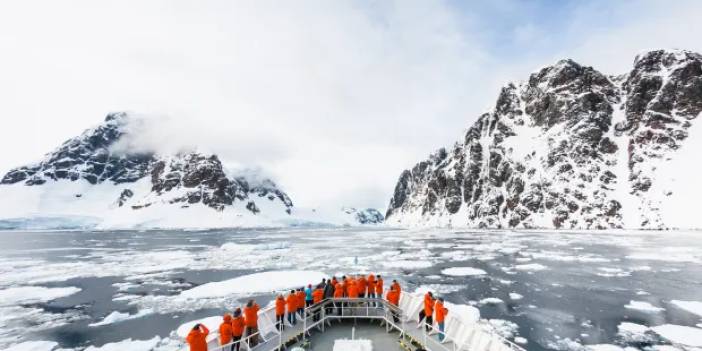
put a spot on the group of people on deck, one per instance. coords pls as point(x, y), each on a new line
point(243, 324)
point(434, 311)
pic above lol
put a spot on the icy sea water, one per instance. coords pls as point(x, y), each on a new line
point(558, 290)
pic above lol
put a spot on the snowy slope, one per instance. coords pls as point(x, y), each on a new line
point(571, 148)
point(92, 182)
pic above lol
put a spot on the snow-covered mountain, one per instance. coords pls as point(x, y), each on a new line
point(92, 180)
point(571, 148)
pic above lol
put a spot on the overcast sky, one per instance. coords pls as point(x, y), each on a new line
point(333, 99)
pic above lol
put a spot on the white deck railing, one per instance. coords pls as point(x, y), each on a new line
point(458, 335)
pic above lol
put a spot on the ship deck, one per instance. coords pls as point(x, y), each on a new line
point(388, 327)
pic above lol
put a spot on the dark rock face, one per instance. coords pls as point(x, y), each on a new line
point(183, 179)
point(87, 157)
point(365, 216)
point(558, 150)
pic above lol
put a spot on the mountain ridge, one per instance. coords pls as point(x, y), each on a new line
point(92, 175)
point(568, 148)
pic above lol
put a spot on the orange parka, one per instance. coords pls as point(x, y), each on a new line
point(371, 283)
point(225, 330)
point(428, 305)
point(338, 291)
point(440, 311)
point(197, 338)
point(353, 291)
point(393, 297)
point(238, 326)
point(251, 315)
point(379, 287)
point(279, 306)
point(317, 295)
point(291, 303)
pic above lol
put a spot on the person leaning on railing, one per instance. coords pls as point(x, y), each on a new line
point(237, 329)
point(300, 302)
point(338, 294)
point(251, 319)
point(440, 312)
point(371, 285)
point(225, 330)
point(393, 296)
point(428, 311)
point(197, 338)
point(291, 306)
point(280, 312)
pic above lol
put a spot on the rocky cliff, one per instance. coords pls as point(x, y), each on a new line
point(570, 147)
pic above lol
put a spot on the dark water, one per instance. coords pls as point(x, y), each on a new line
point(574, 285)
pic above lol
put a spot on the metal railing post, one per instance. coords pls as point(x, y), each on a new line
point(304, 325)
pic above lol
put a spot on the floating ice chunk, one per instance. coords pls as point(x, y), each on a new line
point(491, 301)
point(33, 346)
point(128, 344)
point(504, 328)
point(530, 267)
point(634, 333)
point(515, 296)
point(678, 334)
point(642, 293)
point(606, 347)
point(439, 288)
point(33, 294)
point(463, 271)
point(116, 317)
point(409, 264)
point(612, 272)
point(694, 307)
point(520, 340)
point(255, 283)
point(643, 306)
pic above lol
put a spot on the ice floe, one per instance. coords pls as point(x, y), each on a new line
point(694, 307)
point(515, 296)
point(532, 267)
point(462, 271)
point(439, 288)
point(635, 333)
point(504, 328)
point(33, 346)
point(643, 306)
point(679, 334)
point(33, 294)
point(490, 301)
point(408, 264)
point(255, 283)
point(116, 317)
point(128, 344)
point(520, 340)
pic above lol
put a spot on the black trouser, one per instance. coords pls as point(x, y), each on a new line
point(429, 321)
point(280, 321)
point(308, 303)
point(236, 343)
point(253, 341)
